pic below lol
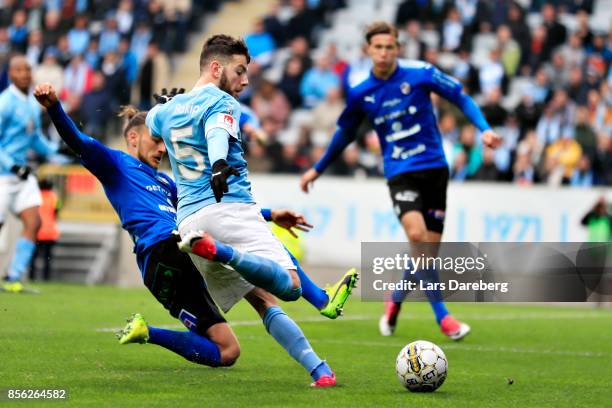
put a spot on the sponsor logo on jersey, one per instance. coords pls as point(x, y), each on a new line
point(189, 320)
point(406, 195)
point(391, 103)
point(405, 88)
point(400, 153)
point(402, 134)
point(370, 98)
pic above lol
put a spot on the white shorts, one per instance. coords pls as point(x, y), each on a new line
point(17, 195)
point(241, 226)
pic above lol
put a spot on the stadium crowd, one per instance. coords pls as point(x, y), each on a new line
point(544, 83)
point(100, 54)
point(545, 87)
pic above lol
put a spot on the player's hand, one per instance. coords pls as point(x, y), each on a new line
point(308, 179)
point(491, 139)
point(166, 96)
point(21, 171)
point(288, 220)
point(221, 171)
point(45, 94)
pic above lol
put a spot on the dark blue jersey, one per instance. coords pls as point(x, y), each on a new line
point(401, 112)
point(144, 198)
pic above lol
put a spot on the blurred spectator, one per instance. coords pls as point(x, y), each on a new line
point(337, 64)
point(556, 32)
point(540, 87)
point(538, 53)
point(459, 168)
point(109, 37)
point(492, 109)
point(466, 72)
point(49, 233)
point(96, 108)
point(78, 36)
point(273, 25)
point(452, 29)
point(520, 31)
point(585, 136)
point(583, 30)
point(261, 44)
point(573, 52)
point(468, 147)
point(153, 75)
point(92, 55)
point(269, 103)
point(115, 80)
point(291, 80)
point(140, 41)
point(302, 23)
point(528, 113)
point(487, 170)
point(125, 17)
point(63, 52)
point(129, 63)
point(324, 117)
point(530, 147)
point(18, 31)
point(491, 73)
point(561, 159)
point(602, 163)
point(412, 45)
point(599, 222)
point(524, 171)
point(576, 88)
point(49, 71)
point(52, 29)
point(35, 50)
point(583, 175)
point(78, 78)
point(557, 70)
point(317, 81)
point(510, 51)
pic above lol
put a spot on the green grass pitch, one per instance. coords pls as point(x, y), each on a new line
point(62, 338)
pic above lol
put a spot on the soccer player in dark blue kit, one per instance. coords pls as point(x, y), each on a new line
point(396, 100)
point(145, 201)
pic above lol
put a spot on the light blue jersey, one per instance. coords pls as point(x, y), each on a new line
point(20, 129)
point(184, 123)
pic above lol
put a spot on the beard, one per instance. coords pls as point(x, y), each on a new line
point(224, 84)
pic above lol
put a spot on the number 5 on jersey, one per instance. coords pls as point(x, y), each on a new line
point(190, 162)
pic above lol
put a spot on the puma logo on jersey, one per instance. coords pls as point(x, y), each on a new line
point(370, 98)
point(406, 195)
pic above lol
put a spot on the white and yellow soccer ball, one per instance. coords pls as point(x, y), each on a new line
point(421, 366)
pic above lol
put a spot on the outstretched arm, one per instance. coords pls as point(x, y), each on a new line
point(286, 219)
point(345, 133)
point(450, 89)
point(93, 154)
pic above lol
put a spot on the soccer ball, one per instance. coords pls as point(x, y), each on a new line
point(421, 366)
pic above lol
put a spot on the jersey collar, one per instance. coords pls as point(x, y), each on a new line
point(392, 77)
point(18, 92)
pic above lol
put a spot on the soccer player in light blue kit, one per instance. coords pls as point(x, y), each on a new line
point(396, 100)
point(145, 201)
point(200, 129)
point(20, 131)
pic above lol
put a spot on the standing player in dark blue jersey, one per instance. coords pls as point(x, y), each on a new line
point(145, 201)
point(396, 100)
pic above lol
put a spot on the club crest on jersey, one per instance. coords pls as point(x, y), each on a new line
point(405, 88)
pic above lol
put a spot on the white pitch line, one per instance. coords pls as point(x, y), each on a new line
point(455, 346)
point(407, 316)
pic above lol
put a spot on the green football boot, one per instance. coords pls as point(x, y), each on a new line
point(339, 293)
point(136, 331)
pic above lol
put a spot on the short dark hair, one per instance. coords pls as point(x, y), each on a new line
point(379, 27)
point(222, 46)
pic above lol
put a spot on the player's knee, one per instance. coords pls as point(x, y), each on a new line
point(32, 224)
point(229, 355)
point(295, 279)
point(417, 235)
point(291, 295)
